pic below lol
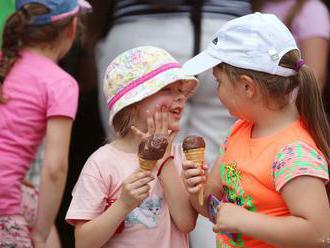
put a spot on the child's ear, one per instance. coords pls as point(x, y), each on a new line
point(248, 85)
point(72, 28)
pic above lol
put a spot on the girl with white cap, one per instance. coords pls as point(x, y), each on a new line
point(120, 205)
point(271, 172)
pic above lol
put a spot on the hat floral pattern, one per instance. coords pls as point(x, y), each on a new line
point(139, 73)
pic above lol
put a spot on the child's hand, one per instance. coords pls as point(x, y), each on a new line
point(135, 189)
point(228, 218)
point(158, 124)
point(193, 177)
point(37, 240)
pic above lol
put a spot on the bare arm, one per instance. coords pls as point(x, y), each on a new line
point(182, 213)
point(315, 53)
point(102, 227)
point(53, 176)
point(134, 190)
point(193, 177)
point(307, 226)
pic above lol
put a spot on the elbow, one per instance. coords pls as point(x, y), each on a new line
point(187, 226)
point(56, 171)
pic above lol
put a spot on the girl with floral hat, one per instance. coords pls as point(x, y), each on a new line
point(114, 203)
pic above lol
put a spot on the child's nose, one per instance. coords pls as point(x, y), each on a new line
point(180, 96)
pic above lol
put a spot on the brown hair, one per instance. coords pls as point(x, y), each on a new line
point(18, 33)
point(123, 120)
point(309, 101)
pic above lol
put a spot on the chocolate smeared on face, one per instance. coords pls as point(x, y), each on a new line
point(193, 142)
point(153, 147)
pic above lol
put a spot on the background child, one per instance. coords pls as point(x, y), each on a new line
point(146, 92)
point(272, 169)
point(37, 98)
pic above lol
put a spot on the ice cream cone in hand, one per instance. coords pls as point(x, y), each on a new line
point(151, 150)
point(194, 149)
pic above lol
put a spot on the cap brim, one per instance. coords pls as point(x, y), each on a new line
point(84, 6)
point(200, 63)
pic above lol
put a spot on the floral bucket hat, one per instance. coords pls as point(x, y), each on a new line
point(139, 73)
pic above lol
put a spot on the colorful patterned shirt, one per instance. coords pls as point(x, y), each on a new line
point(253, 171)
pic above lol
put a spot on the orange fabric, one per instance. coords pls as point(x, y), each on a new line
point(247, 175)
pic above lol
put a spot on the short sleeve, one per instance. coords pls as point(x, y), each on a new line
point(298, 159)
point(312, 21)
point(89, 194)
point(63, 98)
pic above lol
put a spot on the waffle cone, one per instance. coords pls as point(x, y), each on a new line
point(147, 165)
point(197, 156)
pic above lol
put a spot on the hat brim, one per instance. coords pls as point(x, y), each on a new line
point(152, 86)
point(85, 6)
point(200, 63)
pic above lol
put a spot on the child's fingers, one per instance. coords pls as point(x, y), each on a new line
point(193, 190)
point(192, 173)
point(137, 176)
point(195, 181)
point(138, 133)
point(150, 124)
point(164, 114)
point(141, 197)
point(216, 228)
point(205, 167)
point(140, 191)
point(158, 120)
point(187, 164)
point(141, 182)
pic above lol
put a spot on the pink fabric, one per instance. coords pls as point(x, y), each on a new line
point(312, 21)
point(65, 15)
point(141, 80)
point(37, 89)
point(14, 232)
point(149, 225)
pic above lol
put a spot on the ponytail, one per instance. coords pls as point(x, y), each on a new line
point(13, 30)
point(18, 33)
point(310, 105)
point(311, 109)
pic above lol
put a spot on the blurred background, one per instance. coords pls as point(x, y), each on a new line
point(89, 131)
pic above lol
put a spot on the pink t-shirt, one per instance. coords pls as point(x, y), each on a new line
point(312, 21)
point(37, 89)
point(149, 225)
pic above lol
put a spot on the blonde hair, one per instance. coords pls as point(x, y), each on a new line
point(123, 120)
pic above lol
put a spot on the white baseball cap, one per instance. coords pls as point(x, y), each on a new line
point(255, 41)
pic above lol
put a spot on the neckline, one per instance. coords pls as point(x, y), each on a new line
point(281, 132)
point(130, 155)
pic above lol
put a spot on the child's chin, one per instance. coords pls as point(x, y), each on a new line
point(174, 126)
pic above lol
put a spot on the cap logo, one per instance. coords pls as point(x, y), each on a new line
point(273, 54)
point(215, 41)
